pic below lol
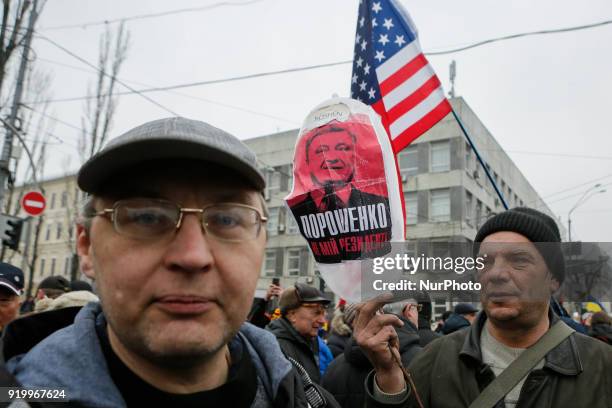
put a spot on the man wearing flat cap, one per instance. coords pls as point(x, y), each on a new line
point(173, 233)
point(516, 344)
point(303, 310)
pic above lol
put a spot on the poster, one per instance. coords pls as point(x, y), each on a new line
point(346, 197)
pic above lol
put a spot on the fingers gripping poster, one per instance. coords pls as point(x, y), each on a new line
point(346, 195)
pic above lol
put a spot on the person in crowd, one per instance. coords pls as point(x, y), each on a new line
point(325, 355)
point(341, 328)
point(586, 320)
point(523, 266)
point(573, 322)
point(346, 374)
point(303, 310)
point(261, 309)
point(601, 327)
point(11, 288)
point(78, 285)
point(443, 318)
point(50, 288)
point(426, 335)
point(463, 315)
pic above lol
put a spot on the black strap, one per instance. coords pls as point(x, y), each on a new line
point(315, 398)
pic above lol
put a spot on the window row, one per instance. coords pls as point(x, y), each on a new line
point(286, 262)
point(53, 267)
point(439, 158)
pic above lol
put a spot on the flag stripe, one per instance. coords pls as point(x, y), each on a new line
point(413, 100)
point(403, 74)
point(410, 118)
point(421, 126)
point(408, 87)
point(407, 54)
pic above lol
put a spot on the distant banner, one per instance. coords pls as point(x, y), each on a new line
point(346, 197)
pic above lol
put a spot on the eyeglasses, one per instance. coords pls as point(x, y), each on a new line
point(150, 219)
point(414, 306)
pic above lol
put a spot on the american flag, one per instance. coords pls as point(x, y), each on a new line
point(391, 74)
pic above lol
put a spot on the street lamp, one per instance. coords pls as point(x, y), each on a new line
point(583, 199)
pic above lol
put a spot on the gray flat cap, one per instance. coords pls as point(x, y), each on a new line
point(171, 138)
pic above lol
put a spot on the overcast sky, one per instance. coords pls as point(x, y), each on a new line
point(544, 98)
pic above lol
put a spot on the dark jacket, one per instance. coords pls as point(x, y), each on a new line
point(426, 335)
point(86, 379)
point(346, 375)
point(297, 347)
point(454, 323)
point(337, 343)
point(449, 372)
point(601, 332)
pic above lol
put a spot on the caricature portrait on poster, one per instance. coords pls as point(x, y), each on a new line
point(345, 196)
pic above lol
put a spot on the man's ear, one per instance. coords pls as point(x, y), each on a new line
point(83, 246)
point(554, 285)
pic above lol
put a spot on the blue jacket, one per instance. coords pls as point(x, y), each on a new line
point(72, 359)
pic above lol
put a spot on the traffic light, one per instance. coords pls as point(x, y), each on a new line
point(12, 233)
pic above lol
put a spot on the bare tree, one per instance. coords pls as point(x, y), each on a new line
point(98, 116)
point(99, 110)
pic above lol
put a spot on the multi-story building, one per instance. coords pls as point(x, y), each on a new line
point(447, 197)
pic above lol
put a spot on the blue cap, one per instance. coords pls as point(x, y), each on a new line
point(11, 277)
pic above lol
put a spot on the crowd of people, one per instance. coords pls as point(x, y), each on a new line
point(173, 235)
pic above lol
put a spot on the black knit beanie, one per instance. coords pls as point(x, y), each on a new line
point(535, 226)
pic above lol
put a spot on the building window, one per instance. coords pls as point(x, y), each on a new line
point(48, 233)
point(273, 181)
point(440, 156)
point(440, 205)
point(52, 266)
point(478, 213)
point(272, 224)
point(292, 225)
point(67, 266)
point(293, 262)
point(42, 267)
point(52, 201)
point(58, 234)
point(469, 212)
point(469, 157)
point(408, 161)
point(412, 208)
point(270, 263)
point(64, 199)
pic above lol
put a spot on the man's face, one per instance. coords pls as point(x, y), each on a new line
point(183, 297)
point(411, 312)
point(331, 158)
point(9, 306)
point(516, 283)
point(308, 319)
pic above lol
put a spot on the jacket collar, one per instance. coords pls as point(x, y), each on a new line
point(563, 359)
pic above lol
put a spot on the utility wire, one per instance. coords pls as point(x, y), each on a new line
point(197, 98)
point(519, 35)
point(83, 60)
point(200, 83)
point(318, 66)
point(152, 15)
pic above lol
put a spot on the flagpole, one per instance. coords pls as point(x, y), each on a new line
point(482, 163)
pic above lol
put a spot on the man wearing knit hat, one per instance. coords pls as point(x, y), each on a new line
point(523, 266)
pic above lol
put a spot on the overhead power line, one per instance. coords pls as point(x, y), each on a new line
point(519, 35)
point(332, 64)
point(200, 83)
point(152, 15)
point(83, 60)
point(185, 95)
